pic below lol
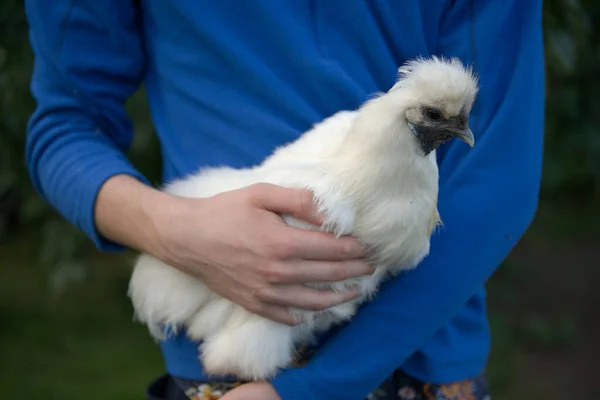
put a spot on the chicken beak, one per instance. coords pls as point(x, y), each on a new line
point(466, 135)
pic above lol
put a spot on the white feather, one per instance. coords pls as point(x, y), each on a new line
point(369, 179)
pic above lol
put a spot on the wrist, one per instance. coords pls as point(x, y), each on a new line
point(155, 216)
point(127, 212)
point(170, 222)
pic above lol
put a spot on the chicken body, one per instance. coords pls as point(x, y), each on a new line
point(372, 177)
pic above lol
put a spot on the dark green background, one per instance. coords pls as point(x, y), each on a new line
point(66, 329)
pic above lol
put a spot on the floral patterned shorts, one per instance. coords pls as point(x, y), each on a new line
point(402, 387)
point(398, 387)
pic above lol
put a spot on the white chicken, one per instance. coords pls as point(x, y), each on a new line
point(374, 175)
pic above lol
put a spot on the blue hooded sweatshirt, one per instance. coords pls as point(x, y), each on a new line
point(227, 81)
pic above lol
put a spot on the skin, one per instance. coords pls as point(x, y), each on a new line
point(253, 391)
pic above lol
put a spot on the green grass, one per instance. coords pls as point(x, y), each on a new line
point(78, 344)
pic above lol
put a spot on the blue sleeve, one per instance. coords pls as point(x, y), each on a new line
point(488, 197)
point(87, 62)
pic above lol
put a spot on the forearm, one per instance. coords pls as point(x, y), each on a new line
point(127, 211)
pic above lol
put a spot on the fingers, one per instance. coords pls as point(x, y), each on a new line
point(316, 245)
point(303, 297)
point(301, 243)
point(295, 202)
point(304, 271)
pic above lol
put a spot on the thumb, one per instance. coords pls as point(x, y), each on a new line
point(298, 203)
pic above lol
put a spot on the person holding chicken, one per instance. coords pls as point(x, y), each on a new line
point(227, 83)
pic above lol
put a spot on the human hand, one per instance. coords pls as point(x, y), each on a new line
point(238, 245)
point(253, 391)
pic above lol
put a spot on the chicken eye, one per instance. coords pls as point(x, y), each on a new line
point(432, 114)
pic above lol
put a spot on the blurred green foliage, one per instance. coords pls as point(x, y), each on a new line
point(572, 156)
point(572, 34)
